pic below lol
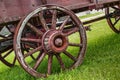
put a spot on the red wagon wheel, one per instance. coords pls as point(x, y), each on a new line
point(55, 44)
point(7, 55)
point(113, 18)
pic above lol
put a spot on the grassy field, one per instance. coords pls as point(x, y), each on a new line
point(102, 60)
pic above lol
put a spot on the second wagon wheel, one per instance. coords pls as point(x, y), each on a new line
point(7, 55)
point(57, 44)
point(113, 18)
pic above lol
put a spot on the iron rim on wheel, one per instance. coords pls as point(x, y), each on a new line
point(114, 18)
point(51, 40)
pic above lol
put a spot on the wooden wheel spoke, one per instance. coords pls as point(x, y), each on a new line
point(39, 55)
point(60, 62)
point(39, 61)
point(6, 39)
point(50, 57)
point(7, 53)
point(70, 56)
point(32, 52)
point(6, 49)
point(116, 21)
point(70, 28)
point(6, 42)
point(2, 36)
point(116, 8)
point(54, 19)
point(64, 23)
point(30, 40)
point(43, 22)
point(6, 56)
point(34, 29)
point(14, 60)
point(75, 44)
point(32, 57)
point(72, 31)
point(29, 45)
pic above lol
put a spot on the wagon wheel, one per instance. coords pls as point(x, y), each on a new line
point(7, 55)
point(113, 18)
point(53, 40)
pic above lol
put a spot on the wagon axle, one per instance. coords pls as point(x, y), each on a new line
point(58, 42)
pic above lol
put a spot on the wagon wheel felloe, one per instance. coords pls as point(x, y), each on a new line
point(55, 43)
point(113, 18)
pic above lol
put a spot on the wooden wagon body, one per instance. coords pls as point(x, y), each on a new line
point(13, 10)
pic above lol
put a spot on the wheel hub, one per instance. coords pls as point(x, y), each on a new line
point(58, 42)
point(54, 41)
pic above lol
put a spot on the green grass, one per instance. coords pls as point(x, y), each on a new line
point(102, 60)
point(90, 15)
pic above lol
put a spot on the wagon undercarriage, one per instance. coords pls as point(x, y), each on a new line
point(41, 37)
